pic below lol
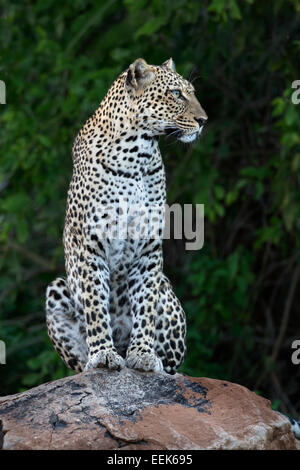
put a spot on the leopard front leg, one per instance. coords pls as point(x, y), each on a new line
point(143, 288)
point(93, 274)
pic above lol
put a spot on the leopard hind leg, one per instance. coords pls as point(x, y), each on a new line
point(170, 329)
point(65, 326)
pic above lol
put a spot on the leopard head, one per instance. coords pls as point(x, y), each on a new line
point(164, 101)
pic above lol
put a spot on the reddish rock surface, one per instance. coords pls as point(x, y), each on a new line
point(101, 409)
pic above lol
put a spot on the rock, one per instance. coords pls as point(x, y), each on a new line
point(101, 409)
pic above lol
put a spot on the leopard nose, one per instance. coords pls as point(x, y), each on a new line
point(201, 121)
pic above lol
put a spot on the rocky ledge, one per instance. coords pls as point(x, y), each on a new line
point(101, 409)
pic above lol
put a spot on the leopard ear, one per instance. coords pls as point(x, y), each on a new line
point(139, 74)
point(169, 63)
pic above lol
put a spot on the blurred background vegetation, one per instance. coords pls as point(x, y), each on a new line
point(241, 291)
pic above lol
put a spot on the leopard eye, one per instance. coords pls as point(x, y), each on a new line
point(176, 93)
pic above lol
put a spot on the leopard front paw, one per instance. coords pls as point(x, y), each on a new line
point(146, 362)
point(106, 358)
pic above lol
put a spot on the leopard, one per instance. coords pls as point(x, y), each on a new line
point(116, 308)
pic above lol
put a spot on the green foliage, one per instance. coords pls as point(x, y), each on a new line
point(216, 319)
point(58, 60)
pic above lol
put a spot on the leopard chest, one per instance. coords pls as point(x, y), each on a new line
point(123, 212)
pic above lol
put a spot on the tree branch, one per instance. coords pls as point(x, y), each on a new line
point(45, 264)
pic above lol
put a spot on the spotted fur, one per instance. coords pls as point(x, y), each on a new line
point(295, 427)
point(116, 307)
